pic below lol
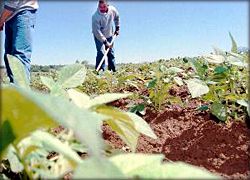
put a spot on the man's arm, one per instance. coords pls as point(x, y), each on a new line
point(116, 21)
point(116, 18)
point(96, 29)
point(4, 16)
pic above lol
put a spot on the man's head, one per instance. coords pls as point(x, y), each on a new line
point(103, 6)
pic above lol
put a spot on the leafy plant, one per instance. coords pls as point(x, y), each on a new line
point(68, 77)
point(226, 82)
point(160, 85)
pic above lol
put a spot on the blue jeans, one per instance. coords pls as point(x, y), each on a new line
point(111, 55)
point(18, 39)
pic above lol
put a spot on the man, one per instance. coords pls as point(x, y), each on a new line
point(102, 28)
point(18, 17)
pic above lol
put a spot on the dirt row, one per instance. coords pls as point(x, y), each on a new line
point(195, 137)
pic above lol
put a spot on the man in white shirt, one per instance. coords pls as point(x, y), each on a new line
point(103, 31)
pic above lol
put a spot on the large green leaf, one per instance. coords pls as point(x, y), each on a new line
point(83, 100)
point(236, 60)
point(20, 115)
point(107, 98)
point(97, 168)
point(234, 48)
point(122, 124)
point(27, 111)
point(141, 125)
point(17, 68)
point(151, 166)
point(197, 87)
point(72, 75)
point(216, 59)
point(84, 123)
point(219, 110)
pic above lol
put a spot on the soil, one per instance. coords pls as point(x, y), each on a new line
point(195, 137)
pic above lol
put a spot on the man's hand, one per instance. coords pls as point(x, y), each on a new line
point(117, 30)
point(107, 45)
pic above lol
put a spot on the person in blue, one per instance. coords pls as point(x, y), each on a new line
point(18, 17)
point(103, 21)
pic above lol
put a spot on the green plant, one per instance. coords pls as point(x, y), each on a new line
point(25, 112)
point(160, 85)
point(221, 79)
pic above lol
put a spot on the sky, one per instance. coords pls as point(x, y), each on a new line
point(150, 30)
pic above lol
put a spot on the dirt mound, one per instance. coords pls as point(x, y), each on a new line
point(185, 134)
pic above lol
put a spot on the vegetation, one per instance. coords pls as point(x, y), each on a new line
point(78, 99)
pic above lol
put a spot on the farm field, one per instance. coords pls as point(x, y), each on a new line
point(179, 118)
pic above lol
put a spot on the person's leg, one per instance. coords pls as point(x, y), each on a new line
point(8, 49)
point(111, 58)
point(99, 55)
point(23, 29)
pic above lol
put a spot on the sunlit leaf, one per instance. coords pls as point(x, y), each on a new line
point(142, 126)
point(83, 100)
point(237, 61)
point(107, 98)
point(234, 48)
point(197, 87)
point(122, 124)
point(72, 75)
point(216, 59)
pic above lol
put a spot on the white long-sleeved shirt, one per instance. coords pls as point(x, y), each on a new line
point(19, 5)
point(102, 23)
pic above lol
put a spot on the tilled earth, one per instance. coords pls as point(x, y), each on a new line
point(185, 134)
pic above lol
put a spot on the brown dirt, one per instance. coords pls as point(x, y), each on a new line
point(185, 134)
